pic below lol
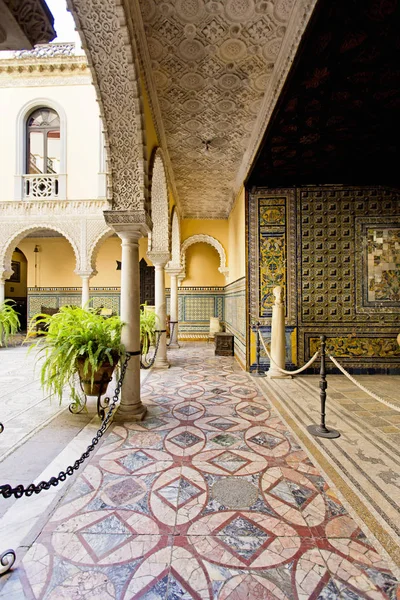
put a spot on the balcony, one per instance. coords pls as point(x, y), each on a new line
point(40, 186)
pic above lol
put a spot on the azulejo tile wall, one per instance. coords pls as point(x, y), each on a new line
point(339, 265)
point(195, 307)
point(55, 297)
point(235, 316)
point(271, 260)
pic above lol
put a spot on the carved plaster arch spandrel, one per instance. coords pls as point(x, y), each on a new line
point(175, 261)
point(206, 239)
point(8, 244)
point(109, 49)
point(159, 241)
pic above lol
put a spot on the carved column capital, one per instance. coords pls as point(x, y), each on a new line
point(173, 269)
point(128, 224)
point(85, 274)
point(159, 258)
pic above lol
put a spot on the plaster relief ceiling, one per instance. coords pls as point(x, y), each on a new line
point(212, 63)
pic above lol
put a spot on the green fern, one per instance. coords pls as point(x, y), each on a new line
point(70, 335)
point(148, 324)
point(9, 321)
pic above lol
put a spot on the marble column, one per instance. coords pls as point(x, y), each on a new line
point(130, 226)
point(174, 272)
point(159, 260)
point(85, 276)
point(6, 274)
point(2, 290)
point(131, 407)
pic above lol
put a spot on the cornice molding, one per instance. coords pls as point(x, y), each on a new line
point(296, 27)
point(136, 27)
point(53, 207)
point(44, 66)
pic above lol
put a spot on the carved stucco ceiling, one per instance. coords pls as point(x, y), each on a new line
point(212, 63)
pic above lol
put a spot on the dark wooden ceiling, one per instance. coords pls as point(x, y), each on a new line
point(338, 117)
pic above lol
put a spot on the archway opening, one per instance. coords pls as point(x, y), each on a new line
point(202, 264)
point(16, 287)
point(47, 273)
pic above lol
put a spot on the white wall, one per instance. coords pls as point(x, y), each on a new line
point(83, 135)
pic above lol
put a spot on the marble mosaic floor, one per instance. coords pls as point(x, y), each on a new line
point(210, 497)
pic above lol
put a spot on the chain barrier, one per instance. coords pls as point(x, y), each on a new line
point(303, 368)
point(148, 365)
point(6, 490)
point(364, 389)
point(171, 335)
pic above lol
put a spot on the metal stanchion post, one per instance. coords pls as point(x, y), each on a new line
point(321, 430)
point(258, 373)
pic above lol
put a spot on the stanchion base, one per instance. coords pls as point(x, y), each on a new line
point(255, 374)
point(318, 431)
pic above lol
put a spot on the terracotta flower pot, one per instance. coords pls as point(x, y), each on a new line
point(102, 378)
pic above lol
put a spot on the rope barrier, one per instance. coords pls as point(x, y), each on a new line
point(364, 389)
point(303, 368)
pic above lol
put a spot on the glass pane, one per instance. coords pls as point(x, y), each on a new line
point(44, 117)
point(36, 159)
point(53, 152)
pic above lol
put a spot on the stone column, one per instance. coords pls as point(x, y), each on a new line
point(2, 290)
point(130, 227)
point(174, 272)
point(131, 407)
point(159, 260)
point(85, 276)
point(6, 274)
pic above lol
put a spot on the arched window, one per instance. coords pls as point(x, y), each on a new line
point(43, 142)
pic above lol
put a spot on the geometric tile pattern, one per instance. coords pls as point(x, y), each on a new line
point(140, 520)
point(56, 297)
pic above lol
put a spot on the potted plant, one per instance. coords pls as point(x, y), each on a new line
point(148, 324)
point(77, 341)
point(9, 321)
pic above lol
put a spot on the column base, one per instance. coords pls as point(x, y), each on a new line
point(275, 374)
point(173, 346)
point(161, 363)
point(124, 415)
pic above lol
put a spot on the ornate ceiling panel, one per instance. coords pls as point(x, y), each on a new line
point(212, 63)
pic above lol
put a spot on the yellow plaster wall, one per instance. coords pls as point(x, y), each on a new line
point(106, 265)
point(14, 289)
point(237, 239)
point(202, 262)
point(216, 228)
point(55, 262)
point(151, 134)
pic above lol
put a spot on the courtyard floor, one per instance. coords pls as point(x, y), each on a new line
point(220, 493)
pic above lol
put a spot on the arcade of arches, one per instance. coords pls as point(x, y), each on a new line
point(244, 144)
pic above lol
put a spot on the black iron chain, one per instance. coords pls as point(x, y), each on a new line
point(6, 491)
point(147, 365)
point(171, 335)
